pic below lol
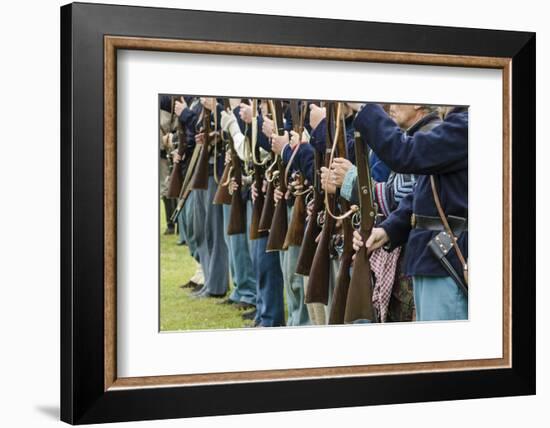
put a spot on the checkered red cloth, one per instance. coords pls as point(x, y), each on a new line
point(384, 266)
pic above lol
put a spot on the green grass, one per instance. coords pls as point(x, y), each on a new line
point(178, 310)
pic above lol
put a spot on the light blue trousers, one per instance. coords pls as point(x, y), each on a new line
point(240, 262)
point(270, 311)
point(211, 248)
point(294, 286)
point(438, 298)
point(334, 266)
point(185, 225)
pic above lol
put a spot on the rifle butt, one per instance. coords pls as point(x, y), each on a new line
point(279, 227)
point(174, 215)
point(268, 209)
point(309, 246)
point(175, 182)
point(359, 299)
point(200, 175)
point(237, 214)
point(340, 295)
point(295, 233)
point(222, 196)
point(319, 274)
point(257, 207)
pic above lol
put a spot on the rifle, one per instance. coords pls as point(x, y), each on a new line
point(237, 214)
point(340, 294)
point(279, 222)
point(186, 187)
point(200, 177)
point(222, 195)
point(176, 176)
point(259, 170)
point(269, 202)
point(309, 245)
point(295, 232)
point(359, 299)
point(319, 274)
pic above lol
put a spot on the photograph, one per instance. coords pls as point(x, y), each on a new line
point(298, 237)
point(292, 213)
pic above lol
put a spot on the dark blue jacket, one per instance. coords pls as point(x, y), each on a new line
point(189, 118)
point(442, 152)
point(303, 160)
point(378, 169)
point(166, 103)
point(389, 193)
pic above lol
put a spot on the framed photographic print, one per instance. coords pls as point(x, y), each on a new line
point(265, 213)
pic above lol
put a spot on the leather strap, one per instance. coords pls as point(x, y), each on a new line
point(457, 224)
point(448, 228)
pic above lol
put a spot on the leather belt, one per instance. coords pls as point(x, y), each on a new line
point(457, 224)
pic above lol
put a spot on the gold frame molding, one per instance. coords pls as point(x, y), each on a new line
point(113, 43)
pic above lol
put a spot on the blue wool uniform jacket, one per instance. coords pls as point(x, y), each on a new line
point(378, 169)
point(442, 152)
point(189, 118)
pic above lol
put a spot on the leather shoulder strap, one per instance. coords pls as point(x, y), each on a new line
point(448, 228)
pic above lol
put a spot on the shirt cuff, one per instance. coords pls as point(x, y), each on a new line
point(349, 181)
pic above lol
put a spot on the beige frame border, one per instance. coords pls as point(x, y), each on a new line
point(112, 43)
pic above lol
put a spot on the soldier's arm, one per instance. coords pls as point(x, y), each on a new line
point(441, 150)
point(398, 224)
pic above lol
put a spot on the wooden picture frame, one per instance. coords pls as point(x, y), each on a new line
point(90, 389)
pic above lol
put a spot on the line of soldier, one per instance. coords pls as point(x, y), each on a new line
point(293, 191)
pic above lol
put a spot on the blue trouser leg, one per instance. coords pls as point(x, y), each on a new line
point(181, 227)
point(213, 248)
point(199, 235)
point(240, 263)
point(331, 285)
point(186, 225)
point(294, 286)
point(255, 265)
point(270, 286)
point(226, 209)
point(438, 298)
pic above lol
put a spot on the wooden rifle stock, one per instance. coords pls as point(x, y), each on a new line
point(258, 205)
point(175, 181)
point(279, 222)
point(222, 195)
point(200, 177)
point(237, 213)
point(309, 245)
point(319, 274)
point(259, 170)
point(340, 294)
point(268, 208)
point(295, 232)
point(359, 299)
point(186, 186)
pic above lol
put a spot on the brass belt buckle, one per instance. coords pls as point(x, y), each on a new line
point(413, 221)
